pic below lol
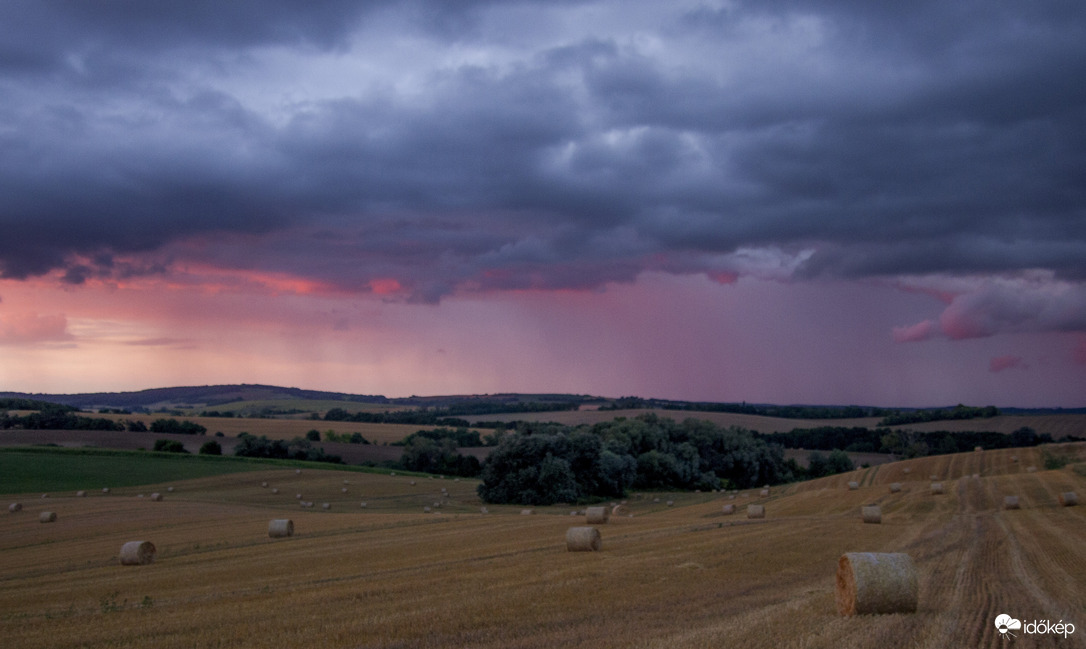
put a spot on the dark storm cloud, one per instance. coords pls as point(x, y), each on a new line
point(888, 139)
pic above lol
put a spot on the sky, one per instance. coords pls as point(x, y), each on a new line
point(778, 201)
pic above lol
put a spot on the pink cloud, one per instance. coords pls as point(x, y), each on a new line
point(1079, 354)
point(1000, 363)
point(914, 333)
point(29, 328)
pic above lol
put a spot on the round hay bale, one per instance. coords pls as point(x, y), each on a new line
point(977, 449)
point(297, 496)
point(583, 539)
point(670, 503)
point(81, 494)
point(729, 509)
point(157, 497)
point(853, 486)
point(326, 505)
point(1068, 499)
point(362, 505)
point(976, 476)
point(1014, 458)
point(764, 493)
point(525, 512)
point(297, 471)
point(264, 485)
point(343, 490)
point(280, 527)
point(895, 487)
point(413, 483)
point(346, 482)
point(655, 500)
point(907, 470)
point(105, 490)
point(1030, 469)
point(484, 510)
point(47, 517)
point(620, 510)
point(596, 515)
point(169, 489)
point(275, 491)
point(1010, 502)
point(426, 510)
point(45, 495)
point(871, 514)
point(937, 489)
point(137, 553)
point(933, 477)
point(755, 511)
point(15, 507)
point(874, 582)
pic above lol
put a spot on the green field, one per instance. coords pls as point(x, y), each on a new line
point(25, 470)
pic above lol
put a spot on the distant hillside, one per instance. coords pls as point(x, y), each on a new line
point(193, 396)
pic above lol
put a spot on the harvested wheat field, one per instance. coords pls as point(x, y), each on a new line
point(685, 576)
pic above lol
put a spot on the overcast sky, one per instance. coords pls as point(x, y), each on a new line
point(782, 201)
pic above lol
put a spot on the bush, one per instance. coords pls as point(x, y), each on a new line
point(169, 446)
point(211, 448)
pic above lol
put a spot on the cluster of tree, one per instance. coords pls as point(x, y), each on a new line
point(298, 448)
point(20, 403)
point(333, 436)
point(819, 465)
point(226, 414)
point(169, 446)
point(959, 411)
point(57, 418)
point(904, 443)
point(459, 436)
point(440, 455)
point(174, 426)
point(765, 410)
point(414, 417)
point(451, 415)
point(547, 463)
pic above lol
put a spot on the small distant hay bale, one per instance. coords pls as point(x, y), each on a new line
point(275, 491)
point(169, 489)
point(1010, 502)
point(1030, 469)
point(484, 510)
point(157, 497)
point(137, 553)
point(81, 494)
point(871, 514)
point(15, 507)
point(426, 510)
point(413, 483)
point(105, 490)
point(525, 512)
point(1014, 458)
point(620, 510)
point(729, 509)
point(895, 487)
point(755, 511)
point(343, 490)
point(976, 476)
point(326, 505)
point(45, 495)
point(264, 485)
point(297, 496)
point(596, 515)
point(655, 500)
point(731, 496)
point(1068, 499)
point(670, 503)
point(853, 486)
point(933, 477)
point(874, 582)
point(583, 539)
point(907, 470)
point(393, 473)
point(297, 471)
point(346, 482)
point(280, 528)
point(47, 517)
point(977, 449)
point(937, 489)
point(362, 505)
point(574, 513)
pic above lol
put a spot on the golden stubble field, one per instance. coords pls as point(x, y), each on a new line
point(684, 576)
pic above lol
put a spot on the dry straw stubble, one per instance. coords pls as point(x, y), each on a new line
point(583, 539)
point(137, 553)
point(873, 582)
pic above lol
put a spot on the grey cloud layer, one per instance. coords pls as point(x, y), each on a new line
point(514, 145)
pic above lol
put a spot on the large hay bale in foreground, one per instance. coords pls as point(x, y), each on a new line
point(47, 517)
point(853, 486)
point(137, 553)
point(895, 487)
point(596, 515)
point(871, 514)
point(873, 582)
point(937, 489)
point(1010, 502)
point(1068, 499)
point(728, 509)
point(583, 539)
point(280, 527)
point(755, 511)
point(15, 507)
